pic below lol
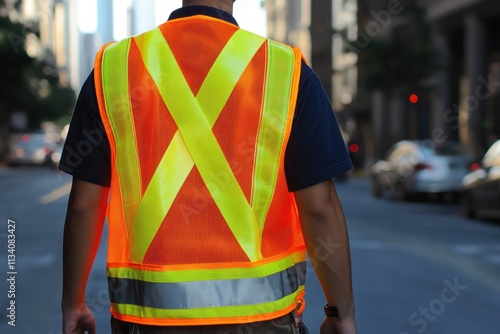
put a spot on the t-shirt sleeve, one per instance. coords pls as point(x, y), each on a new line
point(316, 150)
point(86, 153)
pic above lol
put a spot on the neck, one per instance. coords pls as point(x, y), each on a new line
point(225, 5)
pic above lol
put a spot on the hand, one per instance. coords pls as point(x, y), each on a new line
point(78, 320)
point(338, 327)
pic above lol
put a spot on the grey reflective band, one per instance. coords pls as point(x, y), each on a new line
point(199, 294)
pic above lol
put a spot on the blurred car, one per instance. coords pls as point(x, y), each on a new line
point(481, 188)
point(55, 157)
point(421, 167)
point(30, 148)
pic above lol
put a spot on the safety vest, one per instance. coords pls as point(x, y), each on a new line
point(202, 228)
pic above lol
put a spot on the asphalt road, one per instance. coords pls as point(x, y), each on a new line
point(417, 267)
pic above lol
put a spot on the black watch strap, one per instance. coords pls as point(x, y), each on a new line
point(331, 311)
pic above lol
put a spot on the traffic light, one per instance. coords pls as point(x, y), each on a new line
point(413, 98)
point(354, 148)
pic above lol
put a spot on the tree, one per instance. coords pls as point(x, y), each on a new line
point(403, 57)
point(14, 88)
point(396, 57)
point(28, 84)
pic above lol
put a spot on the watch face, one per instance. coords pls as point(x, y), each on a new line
point(331, 311)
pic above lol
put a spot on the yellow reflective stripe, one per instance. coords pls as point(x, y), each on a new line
point(176, 275)
point(119, 110)
point(209, 312)
point(213, 167)
point(226, 72)
point(272, 127)
point(210, 101)
point(158, 197)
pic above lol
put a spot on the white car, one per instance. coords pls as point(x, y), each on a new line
point(481, 193)
point(30, 148)
point(414, 167)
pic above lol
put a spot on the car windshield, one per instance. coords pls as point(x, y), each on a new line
point(444, 150)
point(31, 140)
point(449, 150)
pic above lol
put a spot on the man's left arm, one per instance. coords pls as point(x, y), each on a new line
point(82, 235)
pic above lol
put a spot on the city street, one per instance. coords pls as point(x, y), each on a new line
point(418, 267)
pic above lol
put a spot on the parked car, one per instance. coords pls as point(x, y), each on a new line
point(481, 188)
point(30, 148)
point(420, 167)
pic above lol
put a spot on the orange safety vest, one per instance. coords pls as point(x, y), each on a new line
point(202, 228)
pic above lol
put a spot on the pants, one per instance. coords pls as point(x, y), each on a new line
point(282, 325)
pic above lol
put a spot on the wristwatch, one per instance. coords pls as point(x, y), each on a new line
point(331, 311)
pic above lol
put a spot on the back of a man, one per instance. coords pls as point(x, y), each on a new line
point(203, 233)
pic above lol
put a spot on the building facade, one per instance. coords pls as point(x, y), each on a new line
point(55, 41)
point(467, 101)
point(289, 22)
point(60, 40)
point(105, 21)
point(143, 16)
point(311, 26)
point(461, 101)
point(344, 59)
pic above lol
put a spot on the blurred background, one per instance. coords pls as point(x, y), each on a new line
point(415, 85)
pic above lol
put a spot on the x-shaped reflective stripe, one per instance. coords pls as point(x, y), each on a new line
point(194, 143)
point(116, 91)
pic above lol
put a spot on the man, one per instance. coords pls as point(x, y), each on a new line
point(188, 125)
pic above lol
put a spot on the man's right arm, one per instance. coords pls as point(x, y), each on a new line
point(82, 235)
point(325, 234)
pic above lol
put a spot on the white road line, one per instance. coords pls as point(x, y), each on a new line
point(56, 194)
point(32, 261)
point(469, 249)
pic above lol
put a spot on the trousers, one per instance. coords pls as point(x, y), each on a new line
point(282, 325)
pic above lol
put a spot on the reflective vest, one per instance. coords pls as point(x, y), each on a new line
point(202, 228)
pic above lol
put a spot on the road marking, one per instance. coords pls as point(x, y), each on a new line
point(38, 261)
point(486, 275)
point(56, 194)
point(469, 249)
point(29, 262)
point(468, 264)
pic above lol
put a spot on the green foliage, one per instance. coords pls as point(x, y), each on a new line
point(15, 62)
point(28, 84)
point(402, 57)
point(16, 3)
point(58, 103)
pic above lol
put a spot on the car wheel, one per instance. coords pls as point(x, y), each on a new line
point(467, 205)
point(399, 192)
point(449, 197)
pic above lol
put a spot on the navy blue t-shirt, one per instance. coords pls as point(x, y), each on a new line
point(315, 151)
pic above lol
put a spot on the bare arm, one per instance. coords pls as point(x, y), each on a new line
point(325, 233)
point(82, 234)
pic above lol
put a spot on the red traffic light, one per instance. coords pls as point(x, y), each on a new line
point(354, 148)
point(413, 98)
